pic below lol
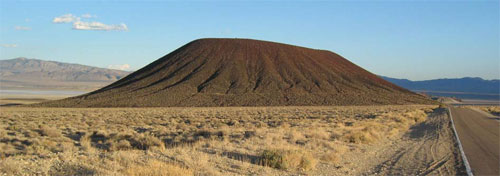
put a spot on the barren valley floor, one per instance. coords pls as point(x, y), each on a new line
point(20, 96)
point(350, 140)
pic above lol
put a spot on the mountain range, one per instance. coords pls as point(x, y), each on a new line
point(23, 73)
point(464, 85)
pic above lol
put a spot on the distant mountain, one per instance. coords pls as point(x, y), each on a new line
point(465, 85)
point(23, 73)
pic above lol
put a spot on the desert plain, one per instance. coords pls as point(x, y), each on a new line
point(300, 140)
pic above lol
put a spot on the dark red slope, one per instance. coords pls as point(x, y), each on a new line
point(243, 72)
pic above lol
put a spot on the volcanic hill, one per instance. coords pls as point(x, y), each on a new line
point(245, 72)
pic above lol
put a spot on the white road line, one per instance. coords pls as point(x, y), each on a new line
point(464, 158)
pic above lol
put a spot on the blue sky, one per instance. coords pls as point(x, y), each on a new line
point(404, 39)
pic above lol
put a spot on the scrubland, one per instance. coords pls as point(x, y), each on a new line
point(495, 110)
point(204, 141)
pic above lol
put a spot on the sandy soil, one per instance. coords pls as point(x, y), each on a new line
point(428, 148)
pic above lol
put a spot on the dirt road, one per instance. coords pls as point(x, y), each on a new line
point(427, 149)
point(479, 135)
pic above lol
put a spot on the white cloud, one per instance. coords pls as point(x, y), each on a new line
point(80, 25)
point(88, 16)
point(84, 25)
point(27, 20)
point(22, 28)
point(67, 18)
point(119, 67)
point(8, 45)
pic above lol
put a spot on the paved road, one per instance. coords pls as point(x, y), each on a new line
point(480, 138)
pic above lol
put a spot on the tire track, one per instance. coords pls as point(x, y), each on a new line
point(428, 149)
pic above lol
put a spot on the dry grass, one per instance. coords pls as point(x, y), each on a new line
point(193, 141)
point(155, 167)
point(331, 157)
point(495, 110)
point(10, 166)
point(49, 131)
point(288, 160)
